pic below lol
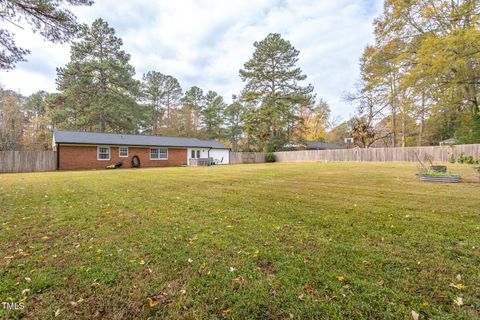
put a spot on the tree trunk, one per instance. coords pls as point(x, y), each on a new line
point(102, 91)
point(422, 119)
point(102, 122)
point(472, 88)
point(154, 120)
point(394, 111)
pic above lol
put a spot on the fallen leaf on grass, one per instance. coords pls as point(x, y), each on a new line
point(415, 315)
point(328, 298)
point(45, 238)
point(425, 303)
point(9, 257)
point(25, 291)
point(458, 301)
point(95, 284)
point(381, 282)
point(160, 298)
point(240, 279)
point(457, 286)
point(225, 312)
point(57, 313)
point(341, 278)
point(152, 302)
point(75, 303)
point(301, 296)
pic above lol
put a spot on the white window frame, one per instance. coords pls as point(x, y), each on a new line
point(158, 152)
point(98, 153)
point(120, 152)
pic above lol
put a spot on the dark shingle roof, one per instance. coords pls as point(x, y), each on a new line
point(322, 145)
point(76, 137)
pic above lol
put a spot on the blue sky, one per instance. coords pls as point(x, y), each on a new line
point(206, 42)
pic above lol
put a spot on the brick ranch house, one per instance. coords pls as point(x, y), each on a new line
point(88, 150)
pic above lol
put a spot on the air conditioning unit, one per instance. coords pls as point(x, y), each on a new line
point(348, 140)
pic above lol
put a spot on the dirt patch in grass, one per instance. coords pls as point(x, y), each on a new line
point(267, 268)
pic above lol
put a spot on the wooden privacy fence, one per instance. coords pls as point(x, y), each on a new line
point(247, 157)
point(27, 161)
point(437, 153)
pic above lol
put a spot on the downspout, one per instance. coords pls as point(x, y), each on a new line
point(58, 156)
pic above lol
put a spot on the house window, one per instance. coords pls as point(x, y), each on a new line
point(193, 154)
point(103, 153)
point(123, 152)
point(198, 153)
point(158, 154)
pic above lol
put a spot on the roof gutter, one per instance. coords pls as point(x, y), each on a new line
point(133, 145)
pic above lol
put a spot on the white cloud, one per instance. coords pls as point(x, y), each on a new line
point(206, 42)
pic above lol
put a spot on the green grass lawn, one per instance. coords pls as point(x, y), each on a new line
point(267, 241)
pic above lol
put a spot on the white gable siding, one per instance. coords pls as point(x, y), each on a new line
point(220, 156)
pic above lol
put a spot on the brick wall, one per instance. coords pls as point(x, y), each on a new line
point(85, 157)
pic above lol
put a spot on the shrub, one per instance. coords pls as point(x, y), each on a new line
point(469, 160)
point(461, 158)
point(452, 158)
point(270, 157)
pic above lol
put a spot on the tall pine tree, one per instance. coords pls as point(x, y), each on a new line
point(97, 84)
point(194, 102)
point(213, 115)
point(233, 118)
point(162, 93)
point(272, 88)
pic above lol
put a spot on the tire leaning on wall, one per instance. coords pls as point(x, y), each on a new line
point(135, 162)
